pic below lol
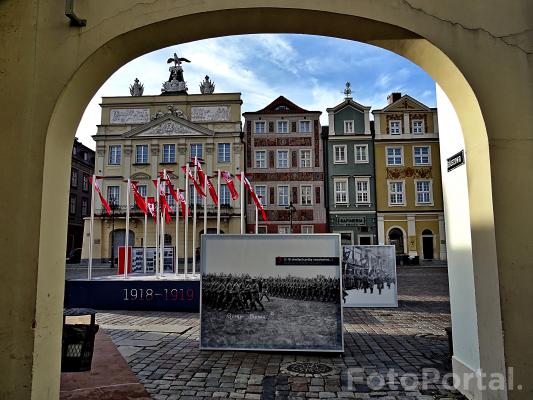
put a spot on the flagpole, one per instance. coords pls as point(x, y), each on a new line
point(162, 237)
point(156, 265)
point(219, 200)
point(194, 219)
point(186, 228)
point(145, 232)
point(126, 249)
point(256, 220)
point(177, 233)
point(205, 203)
point(91, 224)
point(242, 202)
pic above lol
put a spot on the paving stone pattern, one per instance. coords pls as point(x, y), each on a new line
point(407, 339)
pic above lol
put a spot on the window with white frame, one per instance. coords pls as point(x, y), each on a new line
point(283, 159)
point(282, 127)
point(341, 190)
point(168, 196)
point(223, 152)
point(142, 190)
point(307, 229)
point(424, 191)
point(224, 196)
point(305, 126)
point(305, 158)
point(396, 193)
point(85, 183)
point(72, 204)
point(283, 195)
point(362, 190)
point(141, 154)
point(196, 150)
point(395, 155)
point(169, 153)
point(421, 155)
point(260, 159)
point(349, 127)
point(306, 195)
point(261, 192)
point(113, 195)
point(115, 154)
point(260, 127)
point(361, 153)
point(74, 178)
point(395, 127)
point(418, 126)
point(84, 207)
point(339, 154)
point(285, 230)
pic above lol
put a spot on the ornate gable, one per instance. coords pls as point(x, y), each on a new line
point(282, 105)
point(405, 104)
point(169, 125)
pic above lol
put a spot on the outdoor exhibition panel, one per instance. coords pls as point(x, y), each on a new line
point(369, 276)
point(271, 292)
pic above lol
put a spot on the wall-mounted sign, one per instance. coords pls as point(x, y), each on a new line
point(307, 260)
point(350, 220)
point(456, 160)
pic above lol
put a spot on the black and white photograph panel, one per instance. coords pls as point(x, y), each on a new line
point(369, 276)
point(271, 292)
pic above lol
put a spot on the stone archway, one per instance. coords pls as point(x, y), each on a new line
point(46, 95)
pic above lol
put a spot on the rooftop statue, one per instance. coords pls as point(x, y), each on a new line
point(137, 88)
point(175, 84)
point(207, 86)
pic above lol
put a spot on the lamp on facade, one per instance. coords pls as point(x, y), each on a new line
point(291, 209)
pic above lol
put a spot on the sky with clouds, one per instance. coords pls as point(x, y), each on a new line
point(309, 70)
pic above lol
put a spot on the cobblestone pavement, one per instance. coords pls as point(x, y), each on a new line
point(162, 350)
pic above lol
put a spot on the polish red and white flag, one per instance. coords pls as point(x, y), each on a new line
point(228, 178)
point(98, 189)
point(191, 178)
point(150, 206)
point(139, 200)
point(256, 200)
point(163, 199)
point(183, 202)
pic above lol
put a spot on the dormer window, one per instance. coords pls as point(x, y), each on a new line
point(349, 127)
point(282, 108)
point(395, 127)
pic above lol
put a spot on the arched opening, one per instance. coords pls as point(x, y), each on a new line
point(428, 245)
point(116, 43)
point(396, 238)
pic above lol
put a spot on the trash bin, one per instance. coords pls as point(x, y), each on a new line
point(78, 341)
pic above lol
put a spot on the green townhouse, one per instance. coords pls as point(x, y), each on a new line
point(349, 177)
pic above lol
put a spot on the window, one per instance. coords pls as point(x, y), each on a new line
point(348, 127)
point(307, 229)
point(395, 127)
point(84, 207)
point(339, 154)
point(74, 151)
point(394, 155)
point(142, 190)
point(418, 126)
point(260, 159)
point(305, 158)
point(261, 192)
point(361, 153)
point(283, 159)
point(191, 197)
point(224, 152)
point(168, 196)
point(141, 154)
point(113, 195)
point(262, 230)
point(85, 156)
point(85, 183)
point(196, 151)
point(72, 204)
point(396, 193)
point(114, 154)
point(224, 196)
point(283, 126)
point(346, 238)
point(306, 195)
point(424, 193)
point(341, 190)
point(284, 230)
point(305, 126)
point(362, 190)
point(283, 195)
point(421, 155)
point(169, 153)
point(74, 178)
point(260, 127)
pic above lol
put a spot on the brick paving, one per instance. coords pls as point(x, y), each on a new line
point(381, 345)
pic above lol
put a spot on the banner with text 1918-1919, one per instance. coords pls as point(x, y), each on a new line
point(369, 276)
point(271, 292)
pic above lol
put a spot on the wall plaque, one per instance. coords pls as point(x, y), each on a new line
point(210, 114)
point(129, 115)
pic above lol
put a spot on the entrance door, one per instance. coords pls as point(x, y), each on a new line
point(427, 244)
point(396, 238)
point(119, 239)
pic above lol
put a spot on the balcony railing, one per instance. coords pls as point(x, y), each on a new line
point(120, 211)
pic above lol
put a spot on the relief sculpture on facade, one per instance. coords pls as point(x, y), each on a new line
point(210, 114)
point(409, 172)
point(129, 116)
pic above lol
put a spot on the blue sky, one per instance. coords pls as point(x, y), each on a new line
point(309, 70)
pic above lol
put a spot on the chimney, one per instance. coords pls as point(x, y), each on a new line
point(394, 96)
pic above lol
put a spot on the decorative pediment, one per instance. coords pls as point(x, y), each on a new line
point(406, 103)
point(169, 125)
point(140, 176)
point(348, 103)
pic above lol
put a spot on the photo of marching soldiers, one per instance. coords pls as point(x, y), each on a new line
point(258, 312)
point(369, 276)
